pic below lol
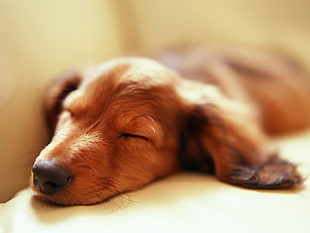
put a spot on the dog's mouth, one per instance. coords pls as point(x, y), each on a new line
point(57, 185)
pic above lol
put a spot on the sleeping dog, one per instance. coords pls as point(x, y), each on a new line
point(122, 124)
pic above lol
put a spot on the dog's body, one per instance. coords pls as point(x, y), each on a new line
point(120, 125)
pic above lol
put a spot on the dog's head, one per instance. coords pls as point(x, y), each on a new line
point(114, 130)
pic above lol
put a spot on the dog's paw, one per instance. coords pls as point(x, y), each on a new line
point(273, 174)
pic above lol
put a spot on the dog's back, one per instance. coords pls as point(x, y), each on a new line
point(276, 85)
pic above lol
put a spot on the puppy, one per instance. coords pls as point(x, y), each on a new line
point(120, 125)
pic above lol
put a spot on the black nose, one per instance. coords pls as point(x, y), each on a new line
point(49, 178)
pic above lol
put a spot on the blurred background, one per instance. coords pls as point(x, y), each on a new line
point(40, 38)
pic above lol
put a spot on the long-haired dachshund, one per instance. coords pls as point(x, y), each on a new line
point(125, 123)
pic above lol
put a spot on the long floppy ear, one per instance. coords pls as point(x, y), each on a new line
point(56, 93)
point(224, 136)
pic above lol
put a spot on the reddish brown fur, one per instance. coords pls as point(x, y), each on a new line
point(123, 124)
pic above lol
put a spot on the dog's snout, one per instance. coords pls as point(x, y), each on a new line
point(49, 178)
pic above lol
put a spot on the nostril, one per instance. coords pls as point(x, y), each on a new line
point(49, 178)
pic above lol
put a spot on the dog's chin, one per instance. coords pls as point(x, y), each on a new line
point(71, 195)
point(64, 201)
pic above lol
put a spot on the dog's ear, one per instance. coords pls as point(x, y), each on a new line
point(56, 94)
point(224, 137)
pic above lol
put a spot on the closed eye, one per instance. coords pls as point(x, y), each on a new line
point(128, 135)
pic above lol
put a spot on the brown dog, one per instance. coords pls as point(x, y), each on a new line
point(120, 125)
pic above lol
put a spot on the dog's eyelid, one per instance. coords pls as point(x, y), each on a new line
point(128, 135)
